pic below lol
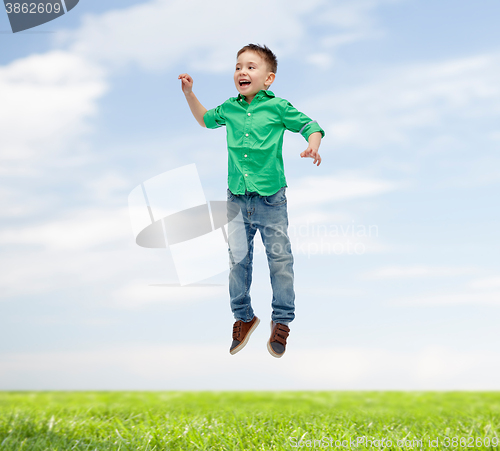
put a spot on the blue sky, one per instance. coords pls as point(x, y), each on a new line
point(408, 93)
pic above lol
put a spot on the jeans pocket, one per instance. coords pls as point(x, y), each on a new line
point(276, 199)
point(230, 195)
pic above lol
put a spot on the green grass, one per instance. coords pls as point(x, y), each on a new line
point(246, 420)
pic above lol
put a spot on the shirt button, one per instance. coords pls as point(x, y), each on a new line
point(249, 114)
point(246, 134)
point(246, 175)
point(245, 156)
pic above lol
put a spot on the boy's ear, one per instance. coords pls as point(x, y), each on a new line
point(270, 79)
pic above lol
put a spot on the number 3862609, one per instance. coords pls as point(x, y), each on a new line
point(32, 8)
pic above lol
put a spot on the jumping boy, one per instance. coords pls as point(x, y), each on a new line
point(255, 123)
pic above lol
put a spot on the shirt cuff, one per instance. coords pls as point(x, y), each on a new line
point(209, 119)
point(311, 128)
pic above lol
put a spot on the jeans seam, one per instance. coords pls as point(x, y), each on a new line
point(246, 281)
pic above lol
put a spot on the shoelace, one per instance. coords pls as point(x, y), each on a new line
point(237, 330)
point(280, 334)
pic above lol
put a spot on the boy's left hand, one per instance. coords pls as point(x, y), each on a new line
point(312, 153)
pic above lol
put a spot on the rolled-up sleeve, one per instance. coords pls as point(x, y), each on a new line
point(214, 118)
point(298, 122)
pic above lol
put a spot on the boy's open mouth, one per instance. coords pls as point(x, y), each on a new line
point(244, 83)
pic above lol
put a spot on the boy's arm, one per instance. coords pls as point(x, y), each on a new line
point(298, 122)
point(196, 107)
point(312, 150)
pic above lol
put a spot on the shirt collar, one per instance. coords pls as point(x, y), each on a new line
point(261, 93)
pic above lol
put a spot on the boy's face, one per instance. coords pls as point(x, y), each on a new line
point(252, 74)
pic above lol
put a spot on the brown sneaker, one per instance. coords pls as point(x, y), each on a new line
point(241, 334)
point(277, 343)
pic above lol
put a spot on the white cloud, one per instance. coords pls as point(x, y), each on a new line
point(321, 60)
point(141, 292)
point(451, 299)
point(404, 100)
point(90, 249)
point(108, 187)
point(332, 239)
point(486, 283)
point(17, 204)
point(202, 366)
point(85, 250)
point(402, 272)
point(38, 272)
point(316, 229)
point(320, 190)
point(337, 40)
point(316, 215)
point(158, 34)
point(45, 102)
point(79, 230)
point(345, 14)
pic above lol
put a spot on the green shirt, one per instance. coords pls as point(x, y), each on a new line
point(255, 139)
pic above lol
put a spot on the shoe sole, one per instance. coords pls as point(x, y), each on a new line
point(269, 347)
point(245, 341)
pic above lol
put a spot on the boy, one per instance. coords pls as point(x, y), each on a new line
point(255, 122)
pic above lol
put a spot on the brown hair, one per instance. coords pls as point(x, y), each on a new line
point(265, 53)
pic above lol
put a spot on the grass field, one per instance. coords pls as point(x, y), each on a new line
point(248, 420)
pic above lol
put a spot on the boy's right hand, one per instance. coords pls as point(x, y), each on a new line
point(187, 83)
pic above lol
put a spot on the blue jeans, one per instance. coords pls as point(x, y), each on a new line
point(268, 214)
